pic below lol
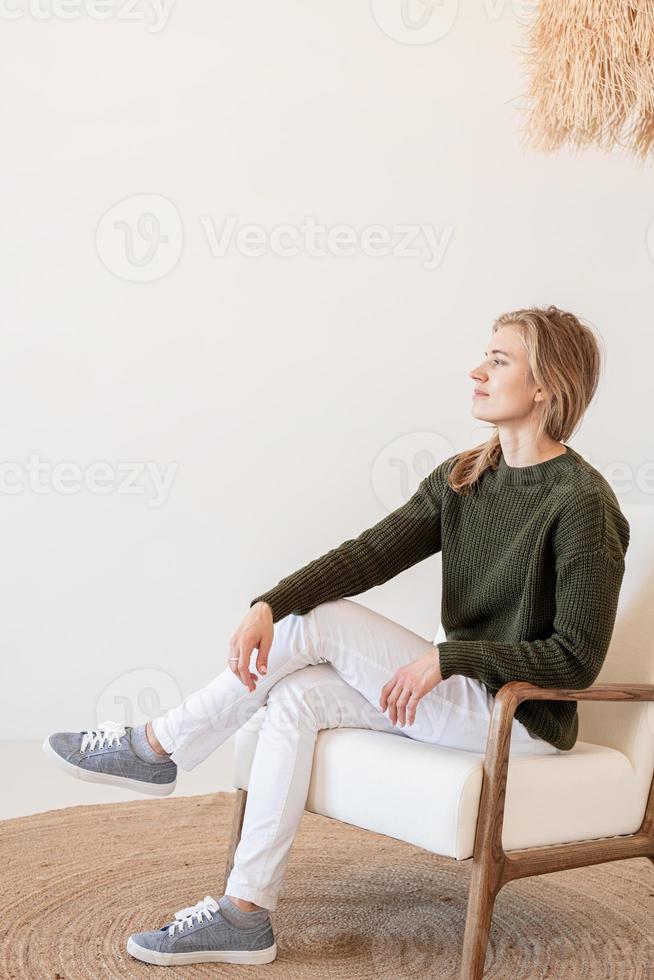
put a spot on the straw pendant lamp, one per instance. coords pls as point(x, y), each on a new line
point(591, 75)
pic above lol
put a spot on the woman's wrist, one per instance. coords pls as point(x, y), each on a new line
point(262, 602)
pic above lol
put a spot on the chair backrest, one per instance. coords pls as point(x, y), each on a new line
point(627, 726)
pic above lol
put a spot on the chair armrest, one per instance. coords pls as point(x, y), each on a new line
point(496, 762)
point(512, 694)
point(523, 691)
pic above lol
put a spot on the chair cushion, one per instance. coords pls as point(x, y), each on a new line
point(429, 795)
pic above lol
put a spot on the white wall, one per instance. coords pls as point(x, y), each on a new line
point(297, 397)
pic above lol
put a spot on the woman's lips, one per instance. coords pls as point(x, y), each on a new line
point(479, 394)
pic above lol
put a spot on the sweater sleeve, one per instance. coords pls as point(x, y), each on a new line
point(586, 600)
point(403, 538)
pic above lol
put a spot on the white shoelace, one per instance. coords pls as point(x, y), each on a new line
point(107, 732)
point(185, 917)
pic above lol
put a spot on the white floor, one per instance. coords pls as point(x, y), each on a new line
point(32, 783)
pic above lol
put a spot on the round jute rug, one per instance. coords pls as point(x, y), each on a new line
point(355, 905)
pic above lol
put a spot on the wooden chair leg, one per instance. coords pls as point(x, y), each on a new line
point(235, 833)
point(484, 887)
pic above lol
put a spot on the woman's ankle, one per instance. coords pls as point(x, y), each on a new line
point(243, 904)
point(153, 740)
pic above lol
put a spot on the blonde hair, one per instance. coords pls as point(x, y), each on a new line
point(564, 359)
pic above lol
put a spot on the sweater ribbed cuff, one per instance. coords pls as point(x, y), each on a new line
point(461, 657)
point(260, 598)
point(280, 606)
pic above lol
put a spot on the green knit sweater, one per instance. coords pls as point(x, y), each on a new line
point(532, 562)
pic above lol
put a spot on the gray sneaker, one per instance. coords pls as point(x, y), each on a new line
point(201, 934)
point(105, 755)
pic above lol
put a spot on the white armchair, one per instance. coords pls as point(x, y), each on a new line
point(592, 804)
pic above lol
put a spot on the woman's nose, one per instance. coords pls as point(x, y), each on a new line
point(477, 374)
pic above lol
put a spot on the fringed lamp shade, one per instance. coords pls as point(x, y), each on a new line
point(591, 74)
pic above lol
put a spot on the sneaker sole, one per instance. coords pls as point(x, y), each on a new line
point(137, 785)
point(205, 956)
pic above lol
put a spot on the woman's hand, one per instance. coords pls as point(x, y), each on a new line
point(407, 685)
point(256, 630)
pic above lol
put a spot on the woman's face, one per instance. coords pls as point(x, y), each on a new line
point(502, 376)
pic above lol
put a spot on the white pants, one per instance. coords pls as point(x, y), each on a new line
point(326, 669)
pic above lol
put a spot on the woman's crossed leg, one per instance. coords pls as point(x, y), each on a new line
point(365, 649)
point(299, 706)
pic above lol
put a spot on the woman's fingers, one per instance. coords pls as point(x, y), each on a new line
point(248, 678)
point(242, 650)
point(401, 701)
point(265, 644)
point(234, 656)
point(411, 708)
point(386, 690)
point(256, 631)
point(392, 701)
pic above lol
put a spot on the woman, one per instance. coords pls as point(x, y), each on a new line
point(533, 548)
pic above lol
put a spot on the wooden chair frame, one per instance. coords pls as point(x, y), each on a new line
point(492, 866)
